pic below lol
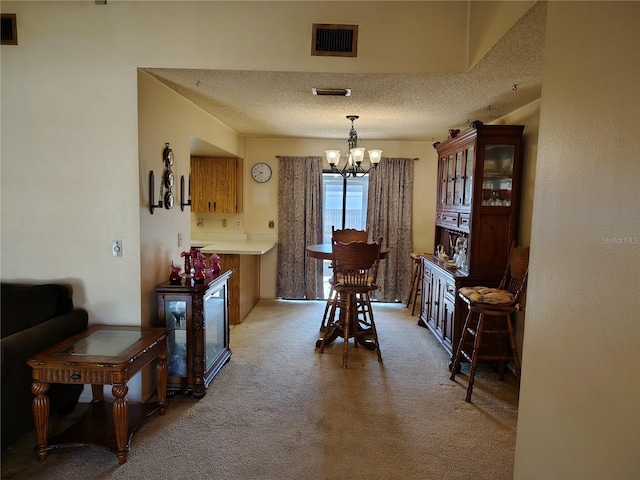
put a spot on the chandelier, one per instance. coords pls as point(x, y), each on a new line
point(353, 164)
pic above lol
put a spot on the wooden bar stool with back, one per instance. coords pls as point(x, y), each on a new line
point(355, 271)
point(490, 318)
point(346, 235)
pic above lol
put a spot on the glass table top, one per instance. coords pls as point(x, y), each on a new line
point(103, 343)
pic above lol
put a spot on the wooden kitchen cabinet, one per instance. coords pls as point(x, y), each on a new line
point(478, 204)
point(216, 185)
point(197, 316)
point(244, 285)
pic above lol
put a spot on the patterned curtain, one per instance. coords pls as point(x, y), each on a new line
point(299, 225)
point(389, 210)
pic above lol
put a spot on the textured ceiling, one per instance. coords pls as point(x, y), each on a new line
point(418, 107)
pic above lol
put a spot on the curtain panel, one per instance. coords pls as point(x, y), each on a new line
point(299, 225)
point(389, 212)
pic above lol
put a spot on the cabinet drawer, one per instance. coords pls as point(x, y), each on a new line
point(465, 221)
point(447, 219)
point(450, 290)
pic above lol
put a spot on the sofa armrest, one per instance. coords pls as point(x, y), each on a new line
point(19, 347)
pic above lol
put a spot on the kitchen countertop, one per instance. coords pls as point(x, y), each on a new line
point(241, 247)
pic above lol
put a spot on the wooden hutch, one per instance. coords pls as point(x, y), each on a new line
point(197, 315)
point(477, 210)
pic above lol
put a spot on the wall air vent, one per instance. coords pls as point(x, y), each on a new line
point(334, 92)
point(334, 40)
point(8, 29)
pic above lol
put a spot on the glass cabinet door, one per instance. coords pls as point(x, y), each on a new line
point(451, 177)
point(497, 176)
point(468, 176)
point(175, 314)
point(442, 193)
point(214, 319)
point(459, 178)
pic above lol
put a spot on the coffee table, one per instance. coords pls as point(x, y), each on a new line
point(101, 355)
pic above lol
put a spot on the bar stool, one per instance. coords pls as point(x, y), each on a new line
point(416, 282)
point(344, 236)
point(498, 304)
point(355, 270)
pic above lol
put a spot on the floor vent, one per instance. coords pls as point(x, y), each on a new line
point(334, 40)
point(8, 29)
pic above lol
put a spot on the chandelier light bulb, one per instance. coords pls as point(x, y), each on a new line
point(358, 155)
point(333, 156)
point(375, 156)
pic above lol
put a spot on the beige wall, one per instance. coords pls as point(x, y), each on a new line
point(579, 414)
point(261, 200)
point(72, 181)
point(529, 116)
point(164, 116)
point(489, 21)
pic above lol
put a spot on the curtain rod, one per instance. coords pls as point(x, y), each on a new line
point(304, 156)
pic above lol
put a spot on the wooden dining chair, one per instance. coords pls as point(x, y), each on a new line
point(498, 304)
point(355, 272)
point(345, 235)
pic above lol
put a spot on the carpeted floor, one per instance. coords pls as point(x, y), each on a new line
point(281, 410)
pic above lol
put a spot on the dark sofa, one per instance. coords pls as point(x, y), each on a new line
point(33, 317)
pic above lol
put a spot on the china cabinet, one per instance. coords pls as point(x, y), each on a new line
point(477, 212)
point(216, 185)
point(197, 315)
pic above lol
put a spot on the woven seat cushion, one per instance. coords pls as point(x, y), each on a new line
point(491, 296)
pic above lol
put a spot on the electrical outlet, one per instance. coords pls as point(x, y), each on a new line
point(224, 223)
point(272, 224)
point(116, 248)
point(200, 222)
point(179, 239)
point(238, 223)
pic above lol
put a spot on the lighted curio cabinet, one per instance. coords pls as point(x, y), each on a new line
point(197, 315)
point(477, 213)
point(216, 185)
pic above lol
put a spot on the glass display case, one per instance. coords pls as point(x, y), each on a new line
point(477, 212)
point(497, 175)
point(197, 315)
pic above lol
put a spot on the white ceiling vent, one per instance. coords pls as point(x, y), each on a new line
point(334, 92)
point(334, 40)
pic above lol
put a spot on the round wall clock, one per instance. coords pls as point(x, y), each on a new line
point(261, 172)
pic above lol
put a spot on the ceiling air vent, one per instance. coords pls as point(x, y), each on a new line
point(334, 40)
point(8, 29)
point(334, 92)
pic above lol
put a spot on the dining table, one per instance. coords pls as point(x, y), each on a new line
point(324, 251)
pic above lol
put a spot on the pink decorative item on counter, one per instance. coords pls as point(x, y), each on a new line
point(187, 263)
point(175, 278)
point(199, 264)
point(214, 263)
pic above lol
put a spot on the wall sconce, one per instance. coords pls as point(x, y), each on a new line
point(166, 197)
point(182, 202)
point(152, 204)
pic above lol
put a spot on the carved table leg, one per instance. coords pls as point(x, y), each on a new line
point(40, 408)
point(121, 420)
point(97, 392)
point(161, 381)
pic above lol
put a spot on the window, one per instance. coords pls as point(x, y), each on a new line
point(334, 198)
